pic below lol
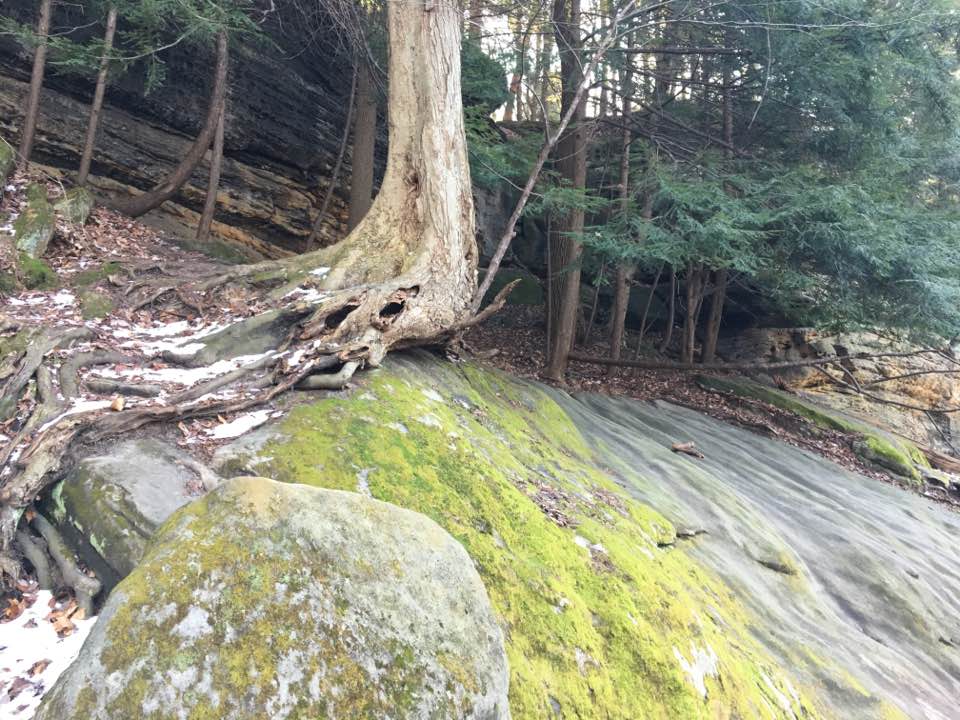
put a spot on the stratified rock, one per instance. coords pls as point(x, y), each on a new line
point(111, 504)
point(34, 227)
point(270, 600)
point(75, 205)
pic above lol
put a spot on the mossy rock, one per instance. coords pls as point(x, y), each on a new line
point(75, 206)
point(873, 445)
point(270, 600)
point(95, 304)
point(36, 274)
point(6, 162)
point(528, 291)
point(34, 227)
point(604, 615)
point(110, 505)
point(95, 275)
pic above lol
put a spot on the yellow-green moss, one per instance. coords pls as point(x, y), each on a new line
point(593, 632)
point(95, 275)
point(36, 274)
point(898, 455)
point(95, 304)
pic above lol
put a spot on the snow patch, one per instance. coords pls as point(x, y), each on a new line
point(28, 640)
point(703, 663)
point(240, 425)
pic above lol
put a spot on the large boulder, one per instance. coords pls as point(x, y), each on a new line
point(110, 505)
point(273, 600)
point(36, 224)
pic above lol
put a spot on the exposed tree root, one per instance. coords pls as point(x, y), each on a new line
point(85, 588)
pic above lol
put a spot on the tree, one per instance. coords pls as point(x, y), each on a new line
point(406, 275)
point(167, 188)
point(93, 124)
point(213, 186)
point(32, 106)
point(565, 245)
point(364, 145)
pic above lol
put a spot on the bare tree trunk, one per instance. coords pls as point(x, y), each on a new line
point(93, 124)
point(694, 286)
point(144, 203)
point(36, 84)
point(572, 164)
point(646, 311)
point(621, 294)
point(709, 352)
point(335, 173)
point(364, 145)
point(213, 186)
point(720, 276)
point(475, 20)
point(516, 80)
point(588, 330)
point(671, 312)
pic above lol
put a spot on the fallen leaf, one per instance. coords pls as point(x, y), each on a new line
point(118, 403)
point(687, 448)
point(39, 666)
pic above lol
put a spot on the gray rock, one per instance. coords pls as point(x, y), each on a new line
point(75, 206)
point(110, 505)
point(35, 226)
point(275, 600)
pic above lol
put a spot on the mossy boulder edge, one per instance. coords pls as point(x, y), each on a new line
point(266, 599)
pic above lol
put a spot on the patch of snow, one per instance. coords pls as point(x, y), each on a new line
point(240, 425)
point(22, 646)
point(320, 271)
point(703, 663)
point(306, 294)
point(64, 298)
point(78, 406)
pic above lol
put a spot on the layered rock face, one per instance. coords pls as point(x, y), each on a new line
point(285, 117)
point(284, 601)
point(901, 378)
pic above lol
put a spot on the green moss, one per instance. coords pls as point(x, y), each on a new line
point(35, 225)
point(36, 274)
point(6, 161)
point(95, 305)
point(595, 632)
point(898, 455)
point(95, 275)
point(75, 206)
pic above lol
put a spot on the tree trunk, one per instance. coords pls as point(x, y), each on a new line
point(720, 276)
point(335, 173)
point(516, 80)
point(694, 286)
point(709, 351)
point(216, 165)
point(646, 311)
point(364, 145)
point(621, 295)
point(475, 20)
point(94, 123)
point(144, 203)
point(671, 312)
point(405, 276)
point(565, 242)
point(36, 84)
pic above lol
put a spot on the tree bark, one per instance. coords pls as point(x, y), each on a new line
point(36, 85)
point(646, 311)
point(694, 287)
point(572, 166)
point(671, 312)
point(624, 278)
point(93, 125)
point(720, 276)
point(709, 352)
point(213, 185)
point(144, 203)
point(516, 79)
point(364, 145)
point(475, 20)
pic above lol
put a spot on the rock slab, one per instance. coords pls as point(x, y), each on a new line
point(275, 600)
point(109, 507)
point(34, 228)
